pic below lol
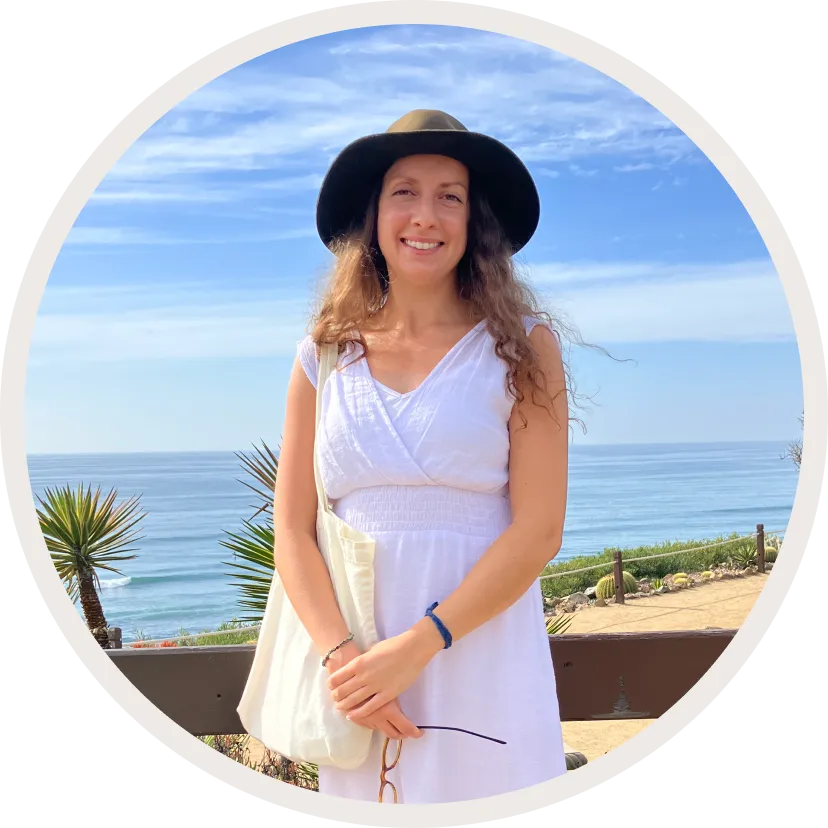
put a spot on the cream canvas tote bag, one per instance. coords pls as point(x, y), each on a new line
point(286, 703)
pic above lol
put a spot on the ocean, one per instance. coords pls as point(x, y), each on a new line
point(619, 496)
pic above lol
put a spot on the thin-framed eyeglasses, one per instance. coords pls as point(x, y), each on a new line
point(384, 782)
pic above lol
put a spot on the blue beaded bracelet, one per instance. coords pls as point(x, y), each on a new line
point(440, 625)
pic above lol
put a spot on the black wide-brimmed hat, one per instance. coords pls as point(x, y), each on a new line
point(359, 168)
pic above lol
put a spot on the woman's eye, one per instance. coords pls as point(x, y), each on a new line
point(402, 190)
point(455, 197)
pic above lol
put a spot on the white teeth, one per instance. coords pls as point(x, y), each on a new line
point(421, 245)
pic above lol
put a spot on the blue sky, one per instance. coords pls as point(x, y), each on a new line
point(171, 316)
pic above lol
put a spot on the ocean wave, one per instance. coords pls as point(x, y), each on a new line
point(111, 583)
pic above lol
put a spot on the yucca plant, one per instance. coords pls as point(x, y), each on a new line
point(263, 469)
point(558, 624)
point(254, 544)
point(84, 534)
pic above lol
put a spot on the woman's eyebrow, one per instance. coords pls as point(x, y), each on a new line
point(408, 180)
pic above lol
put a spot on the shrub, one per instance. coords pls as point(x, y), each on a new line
point(564, 584)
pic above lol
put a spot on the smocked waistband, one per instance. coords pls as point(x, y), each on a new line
point(409, 508)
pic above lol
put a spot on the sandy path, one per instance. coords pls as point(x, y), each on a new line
point(724, 604)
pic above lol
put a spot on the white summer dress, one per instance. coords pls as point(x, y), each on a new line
point(426, 474)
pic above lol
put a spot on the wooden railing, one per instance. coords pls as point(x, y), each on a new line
point(599, 676)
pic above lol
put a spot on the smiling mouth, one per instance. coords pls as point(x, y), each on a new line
point(415, 245)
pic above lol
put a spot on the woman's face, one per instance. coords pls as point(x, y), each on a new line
point(423, 215)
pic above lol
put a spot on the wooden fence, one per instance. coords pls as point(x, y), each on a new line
point(619, 562)
point(599, 676)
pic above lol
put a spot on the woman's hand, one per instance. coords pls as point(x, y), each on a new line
point(369, 681)
point(391, 722)
point(388, 719)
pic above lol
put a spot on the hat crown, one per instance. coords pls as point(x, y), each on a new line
point(426, 119)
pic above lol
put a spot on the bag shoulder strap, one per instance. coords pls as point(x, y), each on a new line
point(327, 362)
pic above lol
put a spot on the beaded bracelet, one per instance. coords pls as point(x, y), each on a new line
point(334, 649)
point(440, 625)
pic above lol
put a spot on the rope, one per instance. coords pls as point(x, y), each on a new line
point(659, 555)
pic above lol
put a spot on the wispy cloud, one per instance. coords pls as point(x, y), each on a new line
point(187, 320)
point(111, 235)
point(81, 236)
point(653, 302)
point(607, 302)
point(628, 168)
point(261, 118)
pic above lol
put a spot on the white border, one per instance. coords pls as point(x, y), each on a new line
point(349, 14)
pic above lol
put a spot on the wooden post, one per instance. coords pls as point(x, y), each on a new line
point(619, 578)
point(760, 547)
point(114, 634)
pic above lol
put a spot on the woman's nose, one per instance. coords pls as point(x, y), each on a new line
point(423, 213)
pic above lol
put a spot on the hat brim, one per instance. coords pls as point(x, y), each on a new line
point(359, 168)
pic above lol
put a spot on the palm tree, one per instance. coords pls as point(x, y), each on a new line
point(84, 535)
point(255, 543)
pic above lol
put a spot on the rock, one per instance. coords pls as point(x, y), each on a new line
point(590, 592)
point(630, 595)
point(577, 598)
point(659, 591)
point(557, 601)
point(600, 602)
point(644, 587)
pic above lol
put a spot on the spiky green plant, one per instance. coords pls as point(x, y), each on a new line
point(657, 583)
point(605, 588)
point(84, 534)
point(558, 624)
point(771, 554)
point(254, 544)
point(744, 556)
point(263, 468)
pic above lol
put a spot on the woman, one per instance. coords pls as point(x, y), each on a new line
point(430, 441)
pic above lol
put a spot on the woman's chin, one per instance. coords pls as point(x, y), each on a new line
point(421, 276)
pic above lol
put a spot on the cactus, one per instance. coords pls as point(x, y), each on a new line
point(657, 583)
point(605, 588)
point(771, 553)
point(680, 575)
point(707, 574)
point(681, 581)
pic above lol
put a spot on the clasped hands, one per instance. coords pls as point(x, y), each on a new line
point(366, 688)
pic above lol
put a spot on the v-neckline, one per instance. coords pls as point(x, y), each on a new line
point(401, 396)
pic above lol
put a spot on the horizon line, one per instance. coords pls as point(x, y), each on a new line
point(571, 446)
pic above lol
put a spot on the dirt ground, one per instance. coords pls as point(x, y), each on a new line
point(724, 604)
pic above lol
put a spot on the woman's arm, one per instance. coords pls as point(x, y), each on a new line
point(538, 476)
point(296, 554)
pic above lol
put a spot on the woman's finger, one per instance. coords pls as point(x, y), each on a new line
point(366, 708)
point(346, 688)
point(354, 700)
point(404, 724)
point(388, 729)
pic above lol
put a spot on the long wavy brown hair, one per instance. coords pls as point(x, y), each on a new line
point(488, 283)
